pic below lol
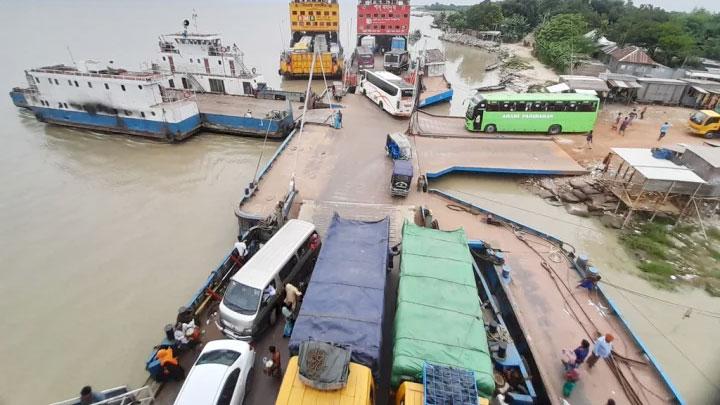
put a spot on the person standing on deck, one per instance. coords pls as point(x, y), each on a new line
point(589, 139)
point(275, 366)
point(240, 248)
point(292, 294)
point(248, 114)
point(633, 114)
point(576, 358)
point(602, 349)
point(642, 112)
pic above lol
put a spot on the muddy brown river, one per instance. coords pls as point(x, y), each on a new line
point(102, 237)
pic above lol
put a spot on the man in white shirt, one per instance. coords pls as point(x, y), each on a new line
point(291, 296)
point(241, 248)
point(602, 349)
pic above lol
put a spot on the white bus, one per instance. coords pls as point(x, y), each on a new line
point(390, 92)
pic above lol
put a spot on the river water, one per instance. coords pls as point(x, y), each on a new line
point(102, 237)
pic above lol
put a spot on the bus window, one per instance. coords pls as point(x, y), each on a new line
point(507, 106)
point(538, 106)
point(556, 106)
point(586, 106)
point(571, 106)
point(493, 106)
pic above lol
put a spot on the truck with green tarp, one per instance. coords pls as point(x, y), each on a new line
point(438, 317)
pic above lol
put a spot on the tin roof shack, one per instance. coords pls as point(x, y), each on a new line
point(622, 87)
point(705, 162)
point(642, 182)
point(701, 94)
point(662, 91)
point(434, 63)
point(630, 60)
point(586, 84)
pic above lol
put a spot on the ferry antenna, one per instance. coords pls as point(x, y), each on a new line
point(72, 59)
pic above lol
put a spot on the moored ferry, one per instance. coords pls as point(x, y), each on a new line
point(109, 99)
point(202, 63)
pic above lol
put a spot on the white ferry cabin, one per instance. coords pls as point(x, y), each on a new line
point(113, 100)
point(201, 63)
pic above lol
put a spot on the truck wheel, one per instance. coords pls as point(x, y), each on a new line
point(711, 135)
point(554, 129)
point(490, 128)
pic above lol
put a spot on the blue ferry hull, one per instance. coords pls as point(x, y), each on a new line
point(436, 99)
point(117, 124)
point(247, 126)
point(18, 98)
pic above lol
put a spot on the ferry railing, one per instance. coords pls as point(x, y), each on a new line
point(144, 78)
point(141, 396)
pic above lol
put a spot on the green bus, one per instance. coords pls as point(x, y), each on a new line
point(550, 113)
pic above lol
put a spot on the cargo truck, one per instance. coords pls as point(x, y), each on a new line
point(314, 27)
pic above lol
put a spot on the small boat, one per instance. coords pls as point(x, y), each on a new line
point(493, 66)
point(494, 87)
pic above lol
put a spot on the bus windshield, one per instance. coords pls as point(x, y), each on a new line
point(242, 298)
point(698, 118)
point(407, 94)
point(391, 58)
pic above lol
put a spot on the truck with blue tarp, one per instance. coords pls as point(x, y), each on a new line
point(345, 298)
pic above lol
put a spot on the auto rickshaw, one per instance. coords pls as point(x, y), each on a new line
point(401, 178)
point(397, 146)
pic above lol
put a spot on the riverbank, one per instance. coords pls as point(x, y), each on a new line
point(519, 69)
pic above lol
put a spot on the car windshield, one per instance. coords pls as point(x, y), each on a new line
point(242, 298)
point(391, 58)
point(698, 117)
point(224, 357)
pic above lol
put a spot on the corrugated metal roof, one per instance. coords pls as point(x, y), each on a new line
point(585, 83)
point(710, 154)
point(659, 80)
point(652, 168)
point(623, 84)
point(632, 54)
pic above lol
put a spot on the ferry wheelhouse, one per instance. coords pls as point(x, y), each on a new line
point(201, 63)
point(109, 99)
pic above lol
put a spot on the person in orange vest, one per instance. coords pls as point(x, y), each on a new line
point(171, 368)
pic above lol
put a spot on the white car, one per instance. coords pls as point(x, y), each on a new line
point(219, 376)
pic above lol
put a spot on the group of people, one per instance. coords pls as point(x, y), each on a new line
point(573, 360)
point(621, 124)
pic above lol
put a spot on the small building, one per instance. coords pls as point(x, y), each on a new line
point(623, 88)
point(630, 60)
point(434, 63)
point(585, 84)
point(701, 94)
point(697, 74)
point(705, 162)
point(662, 91)
point(590, 68)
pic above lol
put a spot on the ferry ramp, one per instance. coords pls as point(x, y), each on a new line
point(440, 156)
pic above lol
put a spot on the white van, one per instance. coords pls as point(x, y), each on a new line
point(249, 306)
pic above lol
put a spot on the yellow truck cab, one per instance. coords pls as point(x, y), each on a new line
point(360, 388)
point(705, 123)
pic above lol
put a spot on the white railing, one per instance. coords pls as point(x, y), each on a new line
point(145, 77)
point(141, 396)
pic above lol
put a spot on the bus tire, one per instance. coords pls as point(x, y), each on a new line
point(490, 128)
point(554, 129)
point(380, 104)
point(364, 92)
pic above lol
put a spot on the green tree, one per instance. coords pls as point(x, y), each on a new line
point(560, 41)
point(675, 44)
point(515, 27)
point(484, 16)
point(457, 21)
point(440, 19)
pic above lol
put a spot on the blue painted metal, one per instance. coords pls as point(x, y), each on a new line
point(248, 125)
point(18, 98)
point(613, 306)
point(498, 170)
point(436, 99)
point(513, 358)
point(115, 123)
